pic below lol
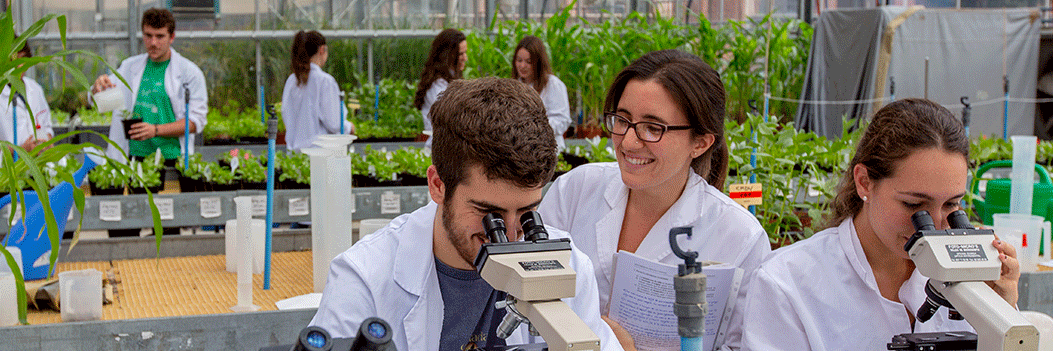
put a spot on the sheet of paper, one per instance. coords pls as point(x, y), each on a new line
point(642, 301)
point(311, 300)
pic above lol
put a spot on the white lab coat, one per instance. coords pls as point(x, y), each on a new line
point(557, 107)
point(391, 274)
point(430, 96)
point(180, 72)
point(821, 294)
point(312, 109)
point(41, 112)
point(589, 203)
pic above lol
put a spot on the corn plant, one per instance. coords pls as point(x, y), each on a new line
point(31, 164)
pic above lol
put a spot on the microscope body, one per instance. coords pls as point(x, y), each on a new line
point(958, 262)
point(536, 274)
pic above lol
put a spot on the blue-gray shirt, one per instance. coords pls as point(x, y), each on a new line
point(470, 320)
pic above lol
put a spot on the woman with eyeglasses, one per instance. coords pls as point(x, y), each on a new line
point(531, 66)
point(665, 112)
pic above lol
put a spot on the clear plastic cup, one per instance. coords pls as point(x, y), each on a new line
point(80, 295)
point(109, 100)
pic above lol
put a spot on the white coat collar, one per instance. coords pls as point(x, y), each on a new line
point(684, 212)
point(415, 250)
point(416, 275)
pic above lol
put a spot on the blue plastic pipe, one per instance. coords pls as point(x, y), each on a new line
point(341, 108)
point(691, 344)
point(270, 214)
point(14, 126)
point(1005, 109)
point(186, 130)
point(376, 103)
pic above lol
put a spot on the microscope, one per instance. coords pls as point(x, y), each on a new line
point(536, 274)
point(374, 334)
point(958, 262)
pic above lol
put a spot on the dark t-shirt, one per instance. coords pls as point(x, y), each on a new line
point(470, 320)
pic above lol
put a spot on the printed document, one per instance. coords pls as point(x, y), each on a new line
point(642, 301)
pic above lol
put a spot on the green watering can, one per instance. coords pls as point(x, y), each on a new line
point(998, 190)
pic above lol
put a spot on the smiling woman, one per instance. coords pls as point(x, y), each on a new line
point(912, 156)
point(666, 114)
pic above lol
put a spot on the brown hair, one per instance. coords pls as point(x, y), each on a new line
point(159, 18)
point(304, 46)
point(538, 58)
point(495, 123)
point(699, 94)
point(897, 130)
point(442, 59)
point(25, 51)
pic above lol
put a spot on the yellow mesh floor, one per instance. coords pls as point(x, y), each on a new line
point(182, 286)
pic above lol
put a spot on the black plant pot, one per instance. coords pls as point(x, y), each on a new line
point(363, 181)
point(105, 191)
point(574, 160)
point(153, 189)
point(128, 126)
point(412, 180)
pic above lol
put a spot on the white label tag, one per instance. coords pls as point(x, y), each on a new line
point(390, 202)
point(110, 211)
point(299, 206)
point(210, 207)
point(259, 205)
point(165, 207)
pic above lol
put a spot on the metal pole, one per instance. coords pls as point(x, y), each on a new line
point(524, 10)
point(132, 44)
point(926, 77)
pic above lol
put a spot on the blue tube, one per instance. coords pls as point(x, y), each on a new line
point(753, 163)
point(14, 127)
point(376, 103)
point(186, 130)
point(263, 116)
point(1005, 117)
point(690, 344)
point(270, 214)
point(341, 108)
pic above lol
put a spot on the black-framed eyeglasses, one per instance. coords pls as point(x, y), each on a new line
point(647, 131)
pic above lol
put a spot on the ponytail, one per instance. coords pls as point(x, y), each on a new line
point(305, 45)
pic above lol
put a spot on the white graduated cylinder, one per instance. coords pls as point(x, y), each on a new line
point(331, 217)
point(1022, 174)
point(243, 205)
point(109, 100)
point(258, 234)
point(8, 300)
point(80, 295)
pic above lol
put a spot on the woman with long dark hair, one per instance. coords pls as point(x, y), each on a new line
point(311, 101)
point(531, 66)
point(665, 112)
point(446, 61)
point(853, 286)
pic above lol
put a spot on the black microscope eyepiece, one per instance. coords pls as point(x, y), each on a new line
point(495, 229)
point(533, 228)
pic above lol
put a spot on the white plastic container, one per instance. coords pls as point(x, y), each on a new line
point(16, 252)
point(259, 237)
point(109, 100)
point(1029, 226)
point(80, 293)
point(1023, 174)
point(8, 300)
point(370, 226)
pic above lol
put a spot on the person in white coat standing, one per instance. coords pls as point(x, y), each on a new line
point(445, 63)
point(531, 66)
point(159, 81)
point(311, 100)
point(29, 134)
point(666, 114)
point(494, 152)
point(853, 286)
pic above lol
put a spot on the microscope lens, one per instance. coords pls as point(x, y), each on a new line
point(959, 220)
point(922, 221)
point(316, 339)
point(377, 330)
point(494, 227)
